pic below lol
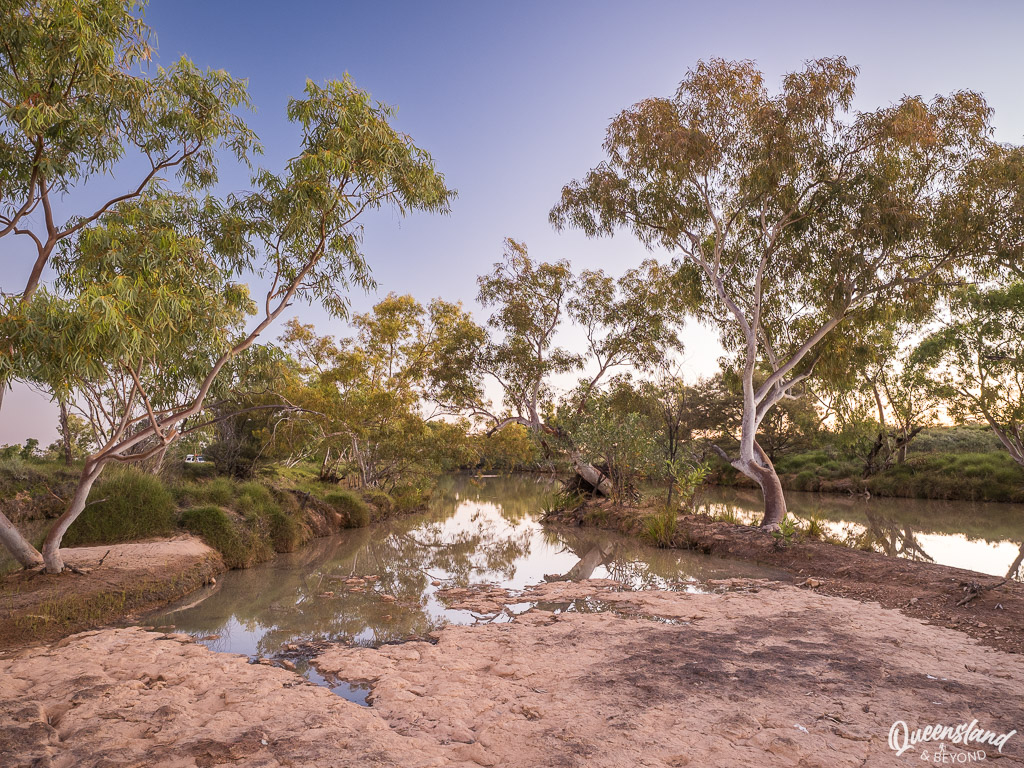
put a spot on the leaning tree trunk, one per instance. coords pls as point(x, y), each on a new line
point(19, 547)
point(762, 472)
point(51, 547)
point(598, 479)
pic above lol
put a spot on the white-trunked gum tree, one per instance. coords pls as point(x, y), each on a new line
point(790, 220)
point(149, 300)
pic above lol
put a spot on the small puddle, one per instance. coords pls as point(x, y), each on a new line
point(355, 692)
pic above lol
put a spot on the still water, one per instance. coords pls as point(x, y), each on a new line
point(487, 530)
point(980, 536)
point(477, 531)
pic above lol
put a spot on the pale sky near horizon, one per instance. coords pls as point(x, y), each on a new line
point(513, 101)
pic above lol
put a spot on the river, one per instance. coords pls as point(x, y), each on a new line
point(377, 585)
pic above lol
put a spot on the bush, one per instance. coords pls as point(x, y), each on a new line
point(355, 511)
point(805, 480)
point(238, 545)
point(255, 499)
point(219, 491)
point(125, 506)
point(410, 499)
point(379, 499)
point(286, 533)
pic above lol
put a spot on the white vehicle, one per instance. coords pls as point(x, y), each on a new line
point(195, 458)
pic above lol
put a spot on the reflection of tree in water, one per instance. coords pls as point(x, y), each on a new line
point(516, 496)
point(288, 600)
point(1016, 570)
point(630, 561)
point(895, 539)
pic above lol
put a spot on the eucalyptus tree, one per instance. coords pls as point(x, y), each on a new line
point(75, 103)
point(899, 389)
point(791, 222)
point(625, 322)
point(975, 361)
point(151, 300)
point(369, 400)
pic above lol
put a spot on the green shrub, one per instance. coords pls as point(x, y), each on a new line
point(238, 545)
point(410, 499)
point(124, 506)
point(199, 470)
point(378, 498)
point(219, 491)
point(254, 499)
point(351, 506)
point(286, 533)
point(805, 480)
point(660, 528)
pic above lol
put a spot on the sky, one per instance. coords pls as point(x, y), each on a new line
point(513, 99)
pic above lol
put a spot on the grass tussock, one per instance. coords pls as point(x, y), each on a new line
point(124, 506)
point(238, 544)
point(659, 528)
point(354, 511)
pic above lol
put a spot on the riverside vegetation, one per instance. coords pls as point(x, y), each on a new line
point(889, 364)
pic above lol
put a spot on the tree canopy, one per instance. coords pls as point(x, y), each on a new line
point(789, 220)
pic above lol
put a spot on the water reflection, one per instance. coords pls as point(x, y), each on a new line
point(980, 536)
point(377, 585)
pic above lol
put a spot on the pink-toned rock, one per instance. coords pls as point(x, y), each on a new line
point(784, 677)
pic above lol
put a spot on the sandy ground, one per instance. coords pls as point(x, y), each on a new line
point(756, 676)
point(114, 581)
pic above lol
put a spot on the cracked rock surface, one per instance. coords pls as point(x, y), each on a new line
point(778, 676)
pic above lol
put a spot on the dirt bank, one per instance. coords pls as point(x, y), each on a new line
point(761, 675)
point(985, 607)
point(111, 582)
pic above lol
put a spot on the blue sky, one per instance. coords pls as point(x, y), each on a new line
point(513, 99)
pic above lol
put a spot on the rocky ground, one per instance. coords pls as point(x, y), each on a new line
point(985, 607)
point(758, 674)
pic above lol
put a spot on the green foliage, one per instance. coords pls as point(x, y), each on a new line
point(963, 438)
point(379, 499)
point(990, 475)
point(621, 442)
point(254, 499)
point(365, 396)
point(625, 321)
point(507, 450)
point(562, 500)
point(787, 530)
point(219, 491)
point(238, 545)
point(816, 528)
point(410, 498)
point(789, 252)
point(284, 530)
point(659, 528)
point(28, 451)
point(976, 360)
point(75, 101)
point(125, 506)
point(352, 507)
point(685, 480)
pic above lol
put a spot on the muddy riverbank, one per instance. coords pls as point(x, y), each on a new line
point(102, 585)
point(988, 608)
point(758, 674)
